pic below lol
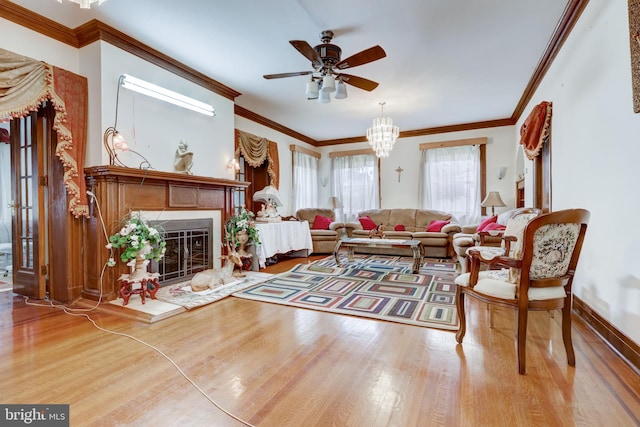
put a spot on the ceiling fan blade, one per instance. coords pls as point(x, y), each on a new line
point(359, 82)
point(305, 48)
point(368, 55)
point(281, 75)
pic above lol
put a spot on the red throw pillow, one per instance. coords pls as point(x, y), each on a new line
point(321, 223)
point(367, 223)
point(436, 225)
point(485, 222)
point(495, 226)
point(399, 227)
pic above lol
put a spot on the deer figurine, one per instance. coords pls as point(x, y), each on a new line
point(212, 278)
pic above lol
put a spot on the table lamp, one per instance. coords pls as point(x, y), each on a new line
point(493, 199)
point(270, 196)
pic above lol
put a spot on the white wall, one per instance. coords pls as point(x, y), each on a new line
point(406, 154)
point(595, 151)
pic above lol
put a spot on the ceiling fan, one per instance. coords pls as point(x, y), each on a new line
point(326, 62)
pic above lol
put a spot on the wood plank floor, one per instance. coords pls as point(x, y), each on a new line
point(272, 365)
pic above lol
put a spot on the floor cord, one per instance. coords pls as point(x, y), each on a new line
point(82, 312)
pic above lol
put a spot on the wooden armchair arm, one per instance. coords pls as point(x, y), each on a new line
point(474, 256)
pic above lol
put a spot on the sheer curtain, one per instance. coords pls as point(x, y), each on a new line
point(450, 181)
point(355, 183)
point(305, 181)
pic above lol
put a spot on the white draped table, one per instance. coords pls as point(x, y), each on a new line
point(282, 237)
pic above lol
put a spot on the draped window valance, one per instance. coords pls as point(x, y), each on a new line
point(535, 129)
point(256, 150)
point(24, 84)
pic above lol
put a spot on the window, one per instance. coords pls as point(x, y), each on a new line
point(355, 182)
point(451, 181)
point(305, 180)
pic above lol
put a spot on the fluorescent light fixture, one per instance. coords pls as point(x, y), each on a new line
point(149, 89)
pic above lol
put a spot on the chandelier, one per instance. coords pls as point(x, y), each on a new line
point(85, 4)
point(383, 134)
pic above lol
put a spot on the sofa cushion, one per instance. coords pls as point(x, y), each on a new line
point(399, 227)
point(379, 216)
point(437, 225)
point(424, 218)
point(367, 223)
point(494, 226)
point(309, 214)
point(487, 221)
point(404, 216)
point(321, 222)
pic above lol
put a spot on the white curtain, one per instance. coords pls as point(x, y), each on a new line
point(305, 182)
point(450, 181)
point(355, 184)
point(5, 193)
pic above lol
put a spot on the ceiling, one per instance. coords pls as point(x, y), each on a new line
point(449, 62)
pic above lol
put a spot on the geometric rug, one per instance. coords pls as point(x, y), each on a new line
point(373, 286)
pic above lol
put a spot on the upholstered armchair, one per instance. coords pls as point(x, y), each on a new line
point(536, 274)
point(325, 230)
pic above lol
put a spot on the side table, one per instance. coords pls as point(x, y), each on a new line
point(148, 283)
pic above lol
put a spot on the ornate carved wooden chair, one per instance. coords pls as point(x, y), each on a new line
point(536, 275)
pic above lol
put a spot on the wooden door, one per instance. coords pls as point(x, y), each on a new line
point(28, 181)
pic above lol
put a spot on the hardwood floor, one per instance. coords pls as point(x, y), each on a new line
point(272, 365)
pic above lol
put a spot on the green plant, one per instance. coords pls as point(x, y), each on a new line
point(244, 221)
point(137, 236)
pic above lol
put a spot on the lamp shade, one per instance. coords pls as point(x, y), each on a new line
point(334, 203)
point(268, 194)
point(341, 90)
point(493, 199)
point(324, 97)
point(312, 89)
point(328, 84)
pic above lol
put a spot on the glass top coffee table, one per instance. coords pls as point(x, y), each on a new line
point(357, 242)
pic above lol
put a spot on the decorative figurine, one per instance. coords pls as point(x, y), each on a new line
point(184, 159)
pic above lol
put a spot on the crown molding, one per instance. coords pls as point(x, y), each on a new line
point(570, 16)
point(250, 115)
point(38, 23)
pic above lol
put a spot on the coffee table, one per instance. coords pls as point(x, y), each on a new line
point(358, 242)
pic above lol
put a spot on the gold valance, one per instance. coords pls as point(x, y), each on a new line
point(24, 84)
point(256, 150)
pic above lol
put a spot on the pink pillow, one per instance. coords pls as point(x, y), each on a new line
point(367, 223)
point(436, 225)
point(321, 223)
point(485, 222)
point(494, 226)
point(399, 227)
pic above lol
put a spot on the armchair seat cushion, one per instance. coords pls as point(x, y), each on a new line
point(495, 283)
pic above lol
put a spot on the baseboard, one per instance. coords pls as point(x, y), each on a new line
point(622, 344)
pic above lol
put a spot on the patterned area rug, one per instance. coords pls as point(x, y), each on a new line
point(376, 286)
point(181, 293)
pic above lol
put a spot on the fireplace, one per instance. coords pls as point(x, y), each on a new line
point(202, 203)
point(193, 243)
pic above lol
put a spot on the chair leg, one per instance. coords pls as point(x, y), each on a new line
point(566, 332)
point(461, 315)
point(521, 339)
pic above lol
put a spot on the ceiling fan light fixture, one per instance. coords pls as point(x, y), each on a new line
point(328, 84)
point(85, 4)
point(341, 90)
point(383, 134)
point(312, 89)
point(324, 97)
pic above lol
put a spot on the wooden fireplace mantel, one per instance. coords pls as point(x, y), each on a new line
point(120, 190)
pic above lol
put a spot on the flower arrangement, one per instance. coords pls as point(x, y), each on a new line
point(244, 221)
point(136, 236)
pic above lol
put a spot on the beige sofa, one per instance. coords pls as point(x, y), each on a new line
point(415, 221)
point(324, 241)
point(469, 235)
